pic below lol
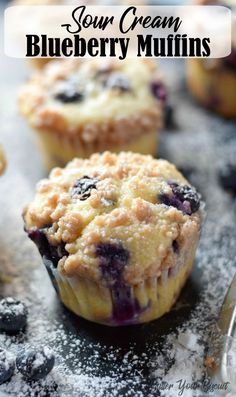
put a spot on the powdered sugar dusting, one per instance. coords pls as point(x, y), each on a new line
point(92, 360)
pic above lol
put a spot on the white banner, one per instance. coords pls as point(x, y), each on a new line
point(102, 31)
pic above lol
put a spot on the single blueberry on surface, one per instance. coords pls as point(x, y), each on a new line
point(227, 175)
point(13, 315)
point(35, 364)
point(7, 366)
point(117, 81)
point(113, 257)
point(83, 187)
point(159, 91)
point(183, 197)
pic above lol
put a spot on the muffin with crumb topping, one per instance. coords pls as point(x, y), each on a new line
point(117, 234)
point(2, 161)
point(213, 81)
point(82, 107)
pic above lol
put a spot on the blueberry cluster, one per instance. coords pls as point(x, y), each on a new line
point(83, 187)
point(33, 364)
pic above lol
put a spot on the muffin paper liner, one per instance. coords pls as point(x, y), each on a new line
point(57, 148)
point(123, 304)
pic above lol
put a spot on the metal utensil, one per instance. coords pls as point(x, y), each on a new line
point(225, 351)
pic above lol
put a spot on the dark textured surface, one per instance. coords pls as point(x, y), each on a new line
point(196, 144)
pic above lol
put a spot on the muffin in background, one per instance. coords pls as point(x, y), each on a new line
point(2, 160)
point(82, 107)
point(213, 81)
point(117, 234)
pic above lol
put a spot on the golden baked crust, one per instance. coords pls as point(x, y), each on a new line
point(123, 207)
point(105, 112)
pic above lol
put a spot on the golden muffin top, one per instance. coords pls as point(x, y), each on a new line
point(71, 95)
point(128, 206)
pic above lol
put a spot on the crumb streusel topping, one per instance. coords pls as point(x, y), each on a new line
point(141, 206)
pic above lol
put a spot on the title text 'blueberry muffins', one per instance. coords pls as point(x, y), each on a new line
point(213, 81)
point(83, 107)
point(117, 234)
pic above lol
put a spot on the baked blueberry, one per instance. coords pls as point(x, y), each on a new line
point(69, 96)
point(125, 307)
point(227, 175)
point(13, 315)
point(48, 251)
point(83, 187)
point(7, 366)
point(183, 197)
point(117, 81)
point(113, 258)
point(159, 91)
point(35, 364)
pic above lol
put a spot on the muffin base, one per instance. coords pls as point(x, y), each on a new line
point(124, 305)
point(214, 88)
point(57, 150)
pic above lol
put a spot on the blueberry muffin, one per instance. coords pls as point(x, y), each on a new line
point(82, 107)
point(117, 234)
point(213, 81)
point(2, 161)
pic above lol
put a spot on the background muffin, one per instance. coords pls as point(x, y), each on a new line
point(117, 234)
point(81, 107)
point(213, 81)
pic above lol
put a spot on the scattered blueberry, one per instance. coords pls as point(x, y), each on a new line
point(159, 91)
point(13, 315)
point(113, 258)
point(186, 170)
point(83, 187)
point(183, 197)
point(227, 175)
point(7, 366)
point(117, 81)
point(35, 364)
